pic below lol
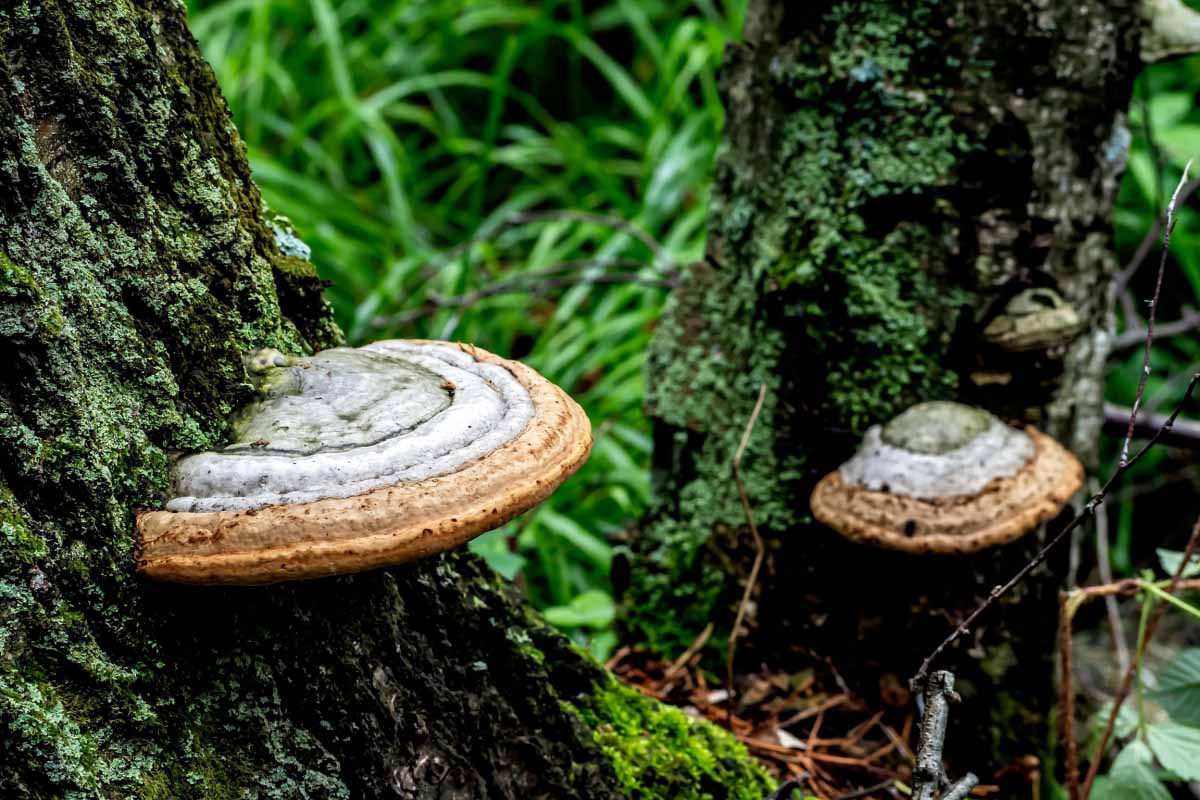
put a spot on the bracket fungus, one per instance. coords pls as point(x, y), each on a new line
point(361, 458)
point(1034, 319)
point(947, 478)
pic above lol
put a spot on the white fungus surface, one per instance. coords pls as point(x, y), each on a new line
point(346, 421)
point(938, 450)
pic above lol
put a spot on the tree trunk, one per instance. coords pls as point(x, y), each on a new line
point(137, 264)
point(893, 173)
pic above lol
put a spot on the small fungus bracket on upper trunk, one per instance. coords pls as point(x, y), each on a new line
point(360, 458)
point(947, 478)
point(1170, 29)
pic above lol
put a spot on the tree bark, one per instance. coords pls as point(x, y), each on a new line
point(893, 173)
point(137, 265)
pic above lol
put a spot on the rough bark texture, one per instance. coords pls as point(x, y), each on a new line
point(136, 266)
point(893, 173)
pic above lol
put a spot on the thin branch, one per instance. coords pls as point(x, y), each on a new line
point(1131, 670)
point(535, 282)
point(1104, 565)
point(758, 546)
point(1132, 337)
point(1066, 698)
point(788, 787)
point(1088, 510)
point(929, 772)
point(1168, 226)
point(1121, 283)
point(491, 231)
point(1184, 433)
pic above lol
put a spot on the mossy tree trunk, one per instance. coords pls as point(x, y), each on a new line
point(136, 266)
point(893, 173)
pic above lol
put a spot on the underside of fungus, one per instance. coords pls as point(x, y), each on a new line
point(361, 458)
point(947, 478)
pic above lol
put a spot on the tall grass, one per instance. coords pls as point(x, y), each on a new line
point(389, 132)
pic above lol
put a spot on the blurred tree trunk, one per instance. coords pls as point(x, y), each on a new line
point(136, 266)
point(893, 172)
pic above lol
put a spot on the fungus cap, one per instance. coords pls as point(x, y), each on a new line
point(361, 458)
point(947, 478)
point(1034, 319)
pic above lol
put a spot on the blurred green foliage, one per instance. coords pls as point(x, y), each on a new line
point(1165, 125)
point(392, 131)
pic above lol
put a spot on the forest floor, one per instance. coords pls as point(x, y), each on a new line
point(806, 725)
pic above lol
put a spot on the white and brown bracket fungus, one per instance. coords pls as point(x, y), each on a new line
point(1034, 319)
point(947, 478)
point(361, 458)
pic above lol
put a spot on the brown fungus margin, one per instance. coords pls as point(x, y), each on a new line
point(1006, 509)
point(382, 527)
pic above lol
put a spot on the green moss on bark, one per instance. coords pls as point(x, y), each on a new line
point(659, 753)
point(828, 264)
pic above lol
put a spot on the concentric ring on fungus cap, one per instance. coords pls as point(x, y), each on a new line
point(1004, 509)
point(444, 442)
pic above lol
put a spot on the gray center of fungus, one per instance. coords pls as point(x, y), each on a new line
point(347, 421)
point(936, 427)
point(938, 450)
point(339, 400)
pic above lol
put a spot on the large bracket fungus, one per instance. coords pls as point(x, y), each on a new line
point(947, 478)
point(360, 458)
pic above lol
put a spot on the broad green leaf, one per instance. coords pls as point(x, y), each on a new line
point(494, 549)
point(1131, 777)
point(591, 609)
point(1125, 726)
point(1178, 689)
point(1170, 562)
point(1177, 748)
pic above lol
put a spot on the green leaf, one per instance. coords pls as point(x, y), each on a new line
point(1178, 689)
point(1131, 777)
point(1170, 562)
point(1126, 724)
point(1177, 748)
point(590, 545)
point(494, 549)
point(591, 609)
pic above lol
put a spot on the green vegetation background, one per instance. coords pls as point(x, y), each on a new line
point(392, 132)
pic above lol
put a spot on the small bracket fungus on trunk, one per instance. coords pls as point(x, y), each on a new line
point(947, 478)
point(362, 458)
point(1170, 29)
point(1034, 319)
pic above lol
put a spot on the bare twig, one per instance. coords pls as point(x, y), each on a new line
point(1088, 510)
point(536, 282)
point(489, 232)
point(665, 268)
point(758, 545)
point(1184, 433)
point(1131, 670)
point(1132, 337)
point(1168, 226)
point(1067, 697)
point(1121, 283)
point(788, 787)
point(1104, 565)
point(929, 773)
point(678, 665)
point(866, 791)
